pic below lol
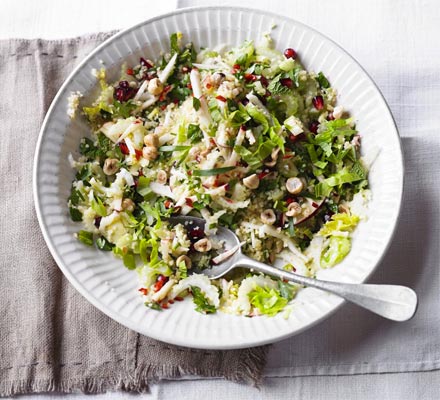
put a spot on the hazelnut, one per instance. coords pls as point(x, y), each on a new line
point(217, 79)
point(161, 177)
point(184, 259)
point(251, 181)
point(151, 140)
point(294, 185)
point(150, 153)
point(293, 209)
point(155, 87)
point(268, 217)
point(203, 245)
point(111, 165)
point(128, 205)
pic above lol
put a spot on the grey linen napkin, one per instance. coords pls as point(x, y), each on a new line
point(51, 338)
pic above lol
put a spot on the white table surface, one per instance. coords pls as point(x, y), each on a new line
point(58, 19)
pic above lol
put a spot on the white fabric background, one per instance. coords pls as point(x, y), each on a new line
point(397, 43)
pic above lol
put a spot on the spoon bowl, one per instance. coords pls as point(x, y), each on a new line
point(398, 303)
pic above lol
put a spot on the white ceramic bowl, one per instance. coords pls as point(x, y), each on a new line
point(103, 280)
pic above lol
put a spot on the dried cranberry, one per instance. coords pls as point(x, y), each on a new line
point(221, 98)
point(138, 154)
point(189, 202)
point(123, 92)
point(290, 200)
point(313, 126)
point(97, 222)
point(130, 71)
point(124, 148)
point(296, 138)
point(160, 281)
point(144, 62)
point(261, 175)
point(290, 53)
point(195, 234)
point(264, 81)
point(250, 77)
point(318, 102)
point(162, 278)
point(287, 82)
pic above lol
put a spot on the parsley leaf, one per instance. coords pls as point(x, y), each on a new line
point(174, 42)
point(75, 214)
point(202, 304)
point(195, 134)
point(103, 244)
point(124, 109)
point(98, 207)
point(276, 87)
point(322, 80)
point(196, 103)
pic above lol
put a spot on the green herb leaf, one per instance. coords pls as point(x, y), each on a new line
point(244, 54)
point(75, 197)
point(154, 306)
point(98, 207)
point(87, 148)
point(174, 42)
point(194, 133)
point(196, 103)
point(202, 304)
point(213, 171)
point(85, 237)
point(123, 110)
point(84, 174)
point(276, 87)
point(322, 80)
point(103, 244)
point(75, 214)
point(253, 161)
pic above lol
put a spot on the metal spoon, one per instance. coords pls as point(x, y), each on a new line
point(398, 303)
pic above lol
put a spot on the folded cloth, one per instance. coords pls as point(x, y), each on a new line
point(51, 338)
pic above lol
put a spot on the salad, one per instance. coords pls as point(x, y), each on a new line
point(245, 138)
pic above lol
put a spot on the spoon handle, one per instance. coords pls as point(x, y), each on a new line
point(398, 303)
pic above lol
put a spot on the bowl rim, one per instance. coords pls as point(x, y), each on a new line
point(126, 322)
